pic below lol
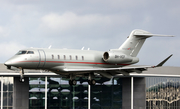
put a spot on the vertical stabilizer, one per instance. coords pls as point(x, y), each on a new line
point(135, 41)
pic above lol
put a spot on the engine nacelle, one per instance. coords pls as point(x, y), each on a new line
point(118, 58)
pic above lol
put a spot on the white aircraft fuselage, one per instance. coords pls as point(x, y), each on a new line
point(72, 63)
point(62, 58)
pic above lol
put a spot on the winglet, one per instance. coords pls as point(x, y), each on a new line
point(161, 63)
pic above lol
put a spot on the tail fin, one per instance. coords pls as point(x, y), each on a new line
point(135, 41)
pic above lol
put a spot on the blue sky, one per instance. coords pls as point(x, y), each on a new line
point(95, 24)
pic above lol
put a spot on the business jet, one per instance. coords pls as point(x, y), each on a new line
point(71, 63)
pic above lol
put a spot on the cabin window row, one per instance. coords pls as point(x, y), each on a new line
point(70, 57)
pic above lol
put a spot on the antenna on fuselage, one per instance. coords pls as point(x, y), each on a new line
point(50, 47)
point(82, 48)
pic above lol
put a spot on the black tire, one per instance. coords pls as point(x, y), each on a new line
point(72, 82)
point(91, 82)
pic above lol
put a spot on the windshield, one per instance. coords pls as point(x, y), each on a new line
point(24, 52)
point(21, 52)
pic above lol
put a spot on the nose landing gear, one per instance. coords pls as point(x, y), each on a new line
point(21, 75)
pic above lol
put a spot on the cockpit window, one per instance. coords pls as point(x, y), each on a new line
point(30, 52)
point(21, 52)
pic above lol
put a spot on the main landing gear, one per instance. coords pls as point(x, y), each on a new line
point(72, 81)
point(91, 81)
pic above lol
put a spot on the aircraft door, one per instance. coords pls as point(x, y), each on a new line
point(42, 58)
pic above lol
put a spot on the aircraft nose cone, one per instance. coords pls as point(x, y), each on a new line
point(11, 62)
point(6, 63)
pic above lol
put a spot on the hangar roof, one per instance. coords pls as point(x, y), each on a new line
point(165, 71)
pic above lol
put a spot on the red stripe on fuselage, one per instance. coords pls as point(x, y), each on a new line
point(75, 62)
point(84, 62)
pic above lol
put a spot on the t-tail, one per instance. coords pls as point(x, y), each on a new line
point(135, 41)
point(128, 51)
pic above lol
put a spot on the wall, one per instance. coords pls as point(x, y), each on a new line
point(139, 93)
point(21, 94)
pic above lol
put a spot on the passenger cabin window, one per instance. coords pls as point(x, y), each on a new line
point(76, 57)
point(30, 52)
point(58, 57)
point(21, 52)
point(64, 57)
point(52, 56)
point(82, 57)
point(70, 57)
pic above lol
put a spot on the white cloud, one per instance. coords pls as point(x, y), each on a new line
point(70, 20)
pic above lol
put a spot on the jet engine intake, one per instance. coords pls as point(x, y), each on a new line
point(118, 58)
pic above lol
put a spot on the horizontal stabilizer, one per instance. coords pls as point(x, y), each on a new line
point(153, 35)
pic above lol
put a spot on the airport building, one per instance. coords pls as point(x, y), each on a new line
point(157, 88)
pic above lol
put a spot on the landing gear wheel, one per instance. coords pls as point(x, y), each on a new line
point(92, 82)
point(72, 82)
point(21, 80)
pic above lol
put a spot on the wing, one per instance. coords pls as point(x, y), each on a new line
point(129, 69)
point(109, 72)
point(120, 70)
